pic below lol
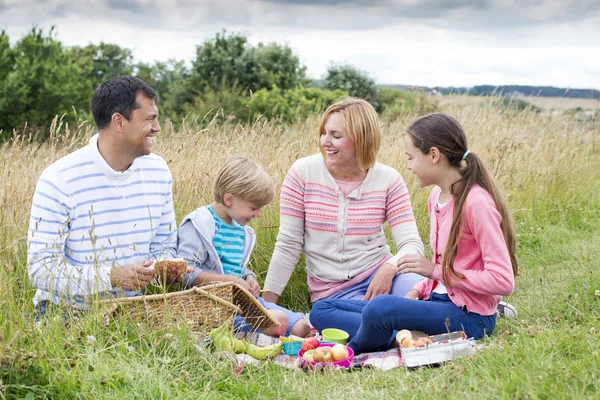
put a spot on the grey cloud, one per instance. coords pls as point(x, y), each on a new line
point(60, 10)
point(328, 2)
point(459, 15)
point(485, 16)
point(129, 5)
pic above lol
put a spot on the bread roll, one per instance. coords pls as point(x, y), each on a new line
point(171, 267)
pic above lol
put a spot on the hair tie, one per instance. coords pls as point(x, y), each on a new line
point(466, 154)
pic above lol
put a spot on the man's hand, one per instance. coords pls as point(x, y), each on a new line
point(382, 281)
point(132, 276)
point(254, 286)
point(416, 263)
point(173, 274)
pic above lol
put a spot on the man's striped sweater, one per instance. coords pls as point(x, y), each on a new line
point(87, 218)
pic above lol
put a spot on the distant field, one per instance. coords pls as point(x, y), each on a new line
point(547, 103)
point(563, 103)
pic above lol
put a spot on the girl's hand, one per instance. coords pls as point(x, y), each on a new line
point(254, 286)
point(416, 263)
point(382, 281)
point(412, 294)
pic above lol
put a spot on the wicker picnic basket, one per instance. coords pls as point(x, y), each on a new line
point(203, 307)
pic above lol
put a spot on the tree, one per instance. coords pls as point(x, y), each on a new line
point(357, 83)
point(221, 61)
point(42, 83)
point(169, 80)
point(103, 61)
point(277, 66)
point(229, 61)
point(7, 59)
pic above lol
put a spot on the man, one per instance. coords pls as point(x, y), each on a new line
point(103, 213)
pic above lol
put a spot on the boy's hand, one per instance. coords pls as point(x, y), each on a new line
point(254, 286)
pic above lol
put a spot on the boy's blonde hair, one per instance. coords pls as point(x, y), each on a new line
point(362, 124)
point(244, 179)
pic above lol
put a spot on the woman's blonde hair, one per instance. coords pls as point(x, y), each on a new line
point(244, 179)
point(362, 124)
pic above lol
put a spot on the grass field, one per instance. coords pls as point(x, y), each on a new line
point(563, 103)
point(545, 103)
point(548, 167)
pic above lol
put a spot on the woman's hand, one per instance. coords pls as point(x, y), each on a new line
point(270, 296)
point(254, 286)
point(416, 263)
point(382, 281)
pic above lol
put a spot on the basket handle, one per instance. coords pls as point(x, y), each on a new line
point(219, 300)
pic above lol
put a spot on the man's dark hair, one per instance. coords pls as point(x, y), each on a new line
point(117, 95)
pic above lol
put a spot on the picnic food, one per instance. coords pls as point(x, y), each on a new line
point(403, 336)
point(310, 343)
point(405, 339)
point(323, 354)
point(339, 352)
point(223, 340)
point(322, 357)
point(260, 353)
point(171, 267)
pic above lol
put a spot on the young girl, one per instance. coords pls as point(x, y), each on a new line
point(473, 242)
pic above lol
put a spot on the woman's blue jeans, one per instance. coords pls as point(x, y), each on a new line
point(372, 325)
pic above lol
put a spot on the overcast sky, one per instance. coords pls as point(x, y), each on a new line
point(418, 42)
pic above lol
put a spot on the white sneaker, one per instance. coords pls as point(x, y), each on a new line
point(506, 310)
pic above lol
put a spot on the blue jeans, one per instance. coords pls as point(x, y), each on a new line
point(381, 317)
point(319, 315)
point(242, 326)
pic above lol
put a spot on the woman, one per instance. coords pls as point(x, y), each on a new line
point(333, 207)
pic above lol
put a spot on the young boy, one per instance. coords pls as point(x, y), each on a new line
point(216, 241)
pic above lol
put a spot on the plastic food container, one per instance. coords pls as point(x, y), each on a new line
point(444, 347)
point(334, 335)
point(347, 363)
point(292, 348)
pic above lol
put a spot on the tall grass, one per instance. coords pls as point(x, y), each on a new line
point(546, 166)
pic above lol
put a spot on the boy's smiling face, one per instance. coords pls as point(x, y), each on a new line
point(241, 211)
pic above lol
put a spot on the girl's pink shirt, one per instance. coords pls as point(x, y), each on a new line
point(482, 255)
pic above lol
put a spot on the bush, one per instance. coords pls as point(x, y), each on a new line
point(394, 103)
point(290, 105)
point(349, 79)
point(223, 104)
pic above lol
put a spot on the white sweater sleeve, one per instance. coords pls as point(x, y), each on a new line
point(290, 240)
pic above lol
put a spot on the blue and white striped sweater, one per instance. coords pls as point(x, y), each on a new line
point(87, 218)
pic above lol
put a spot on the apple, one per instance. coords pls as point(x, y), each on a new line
point(339, 352)
point(322, 354)
point(327, 356)
point(309, 355)
point(310, 343)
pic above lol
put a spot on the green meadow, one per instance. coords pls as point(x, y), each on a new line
point(548, 166)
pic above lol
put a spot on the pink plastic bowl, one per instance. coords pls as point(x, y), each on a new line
point(335, 364)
